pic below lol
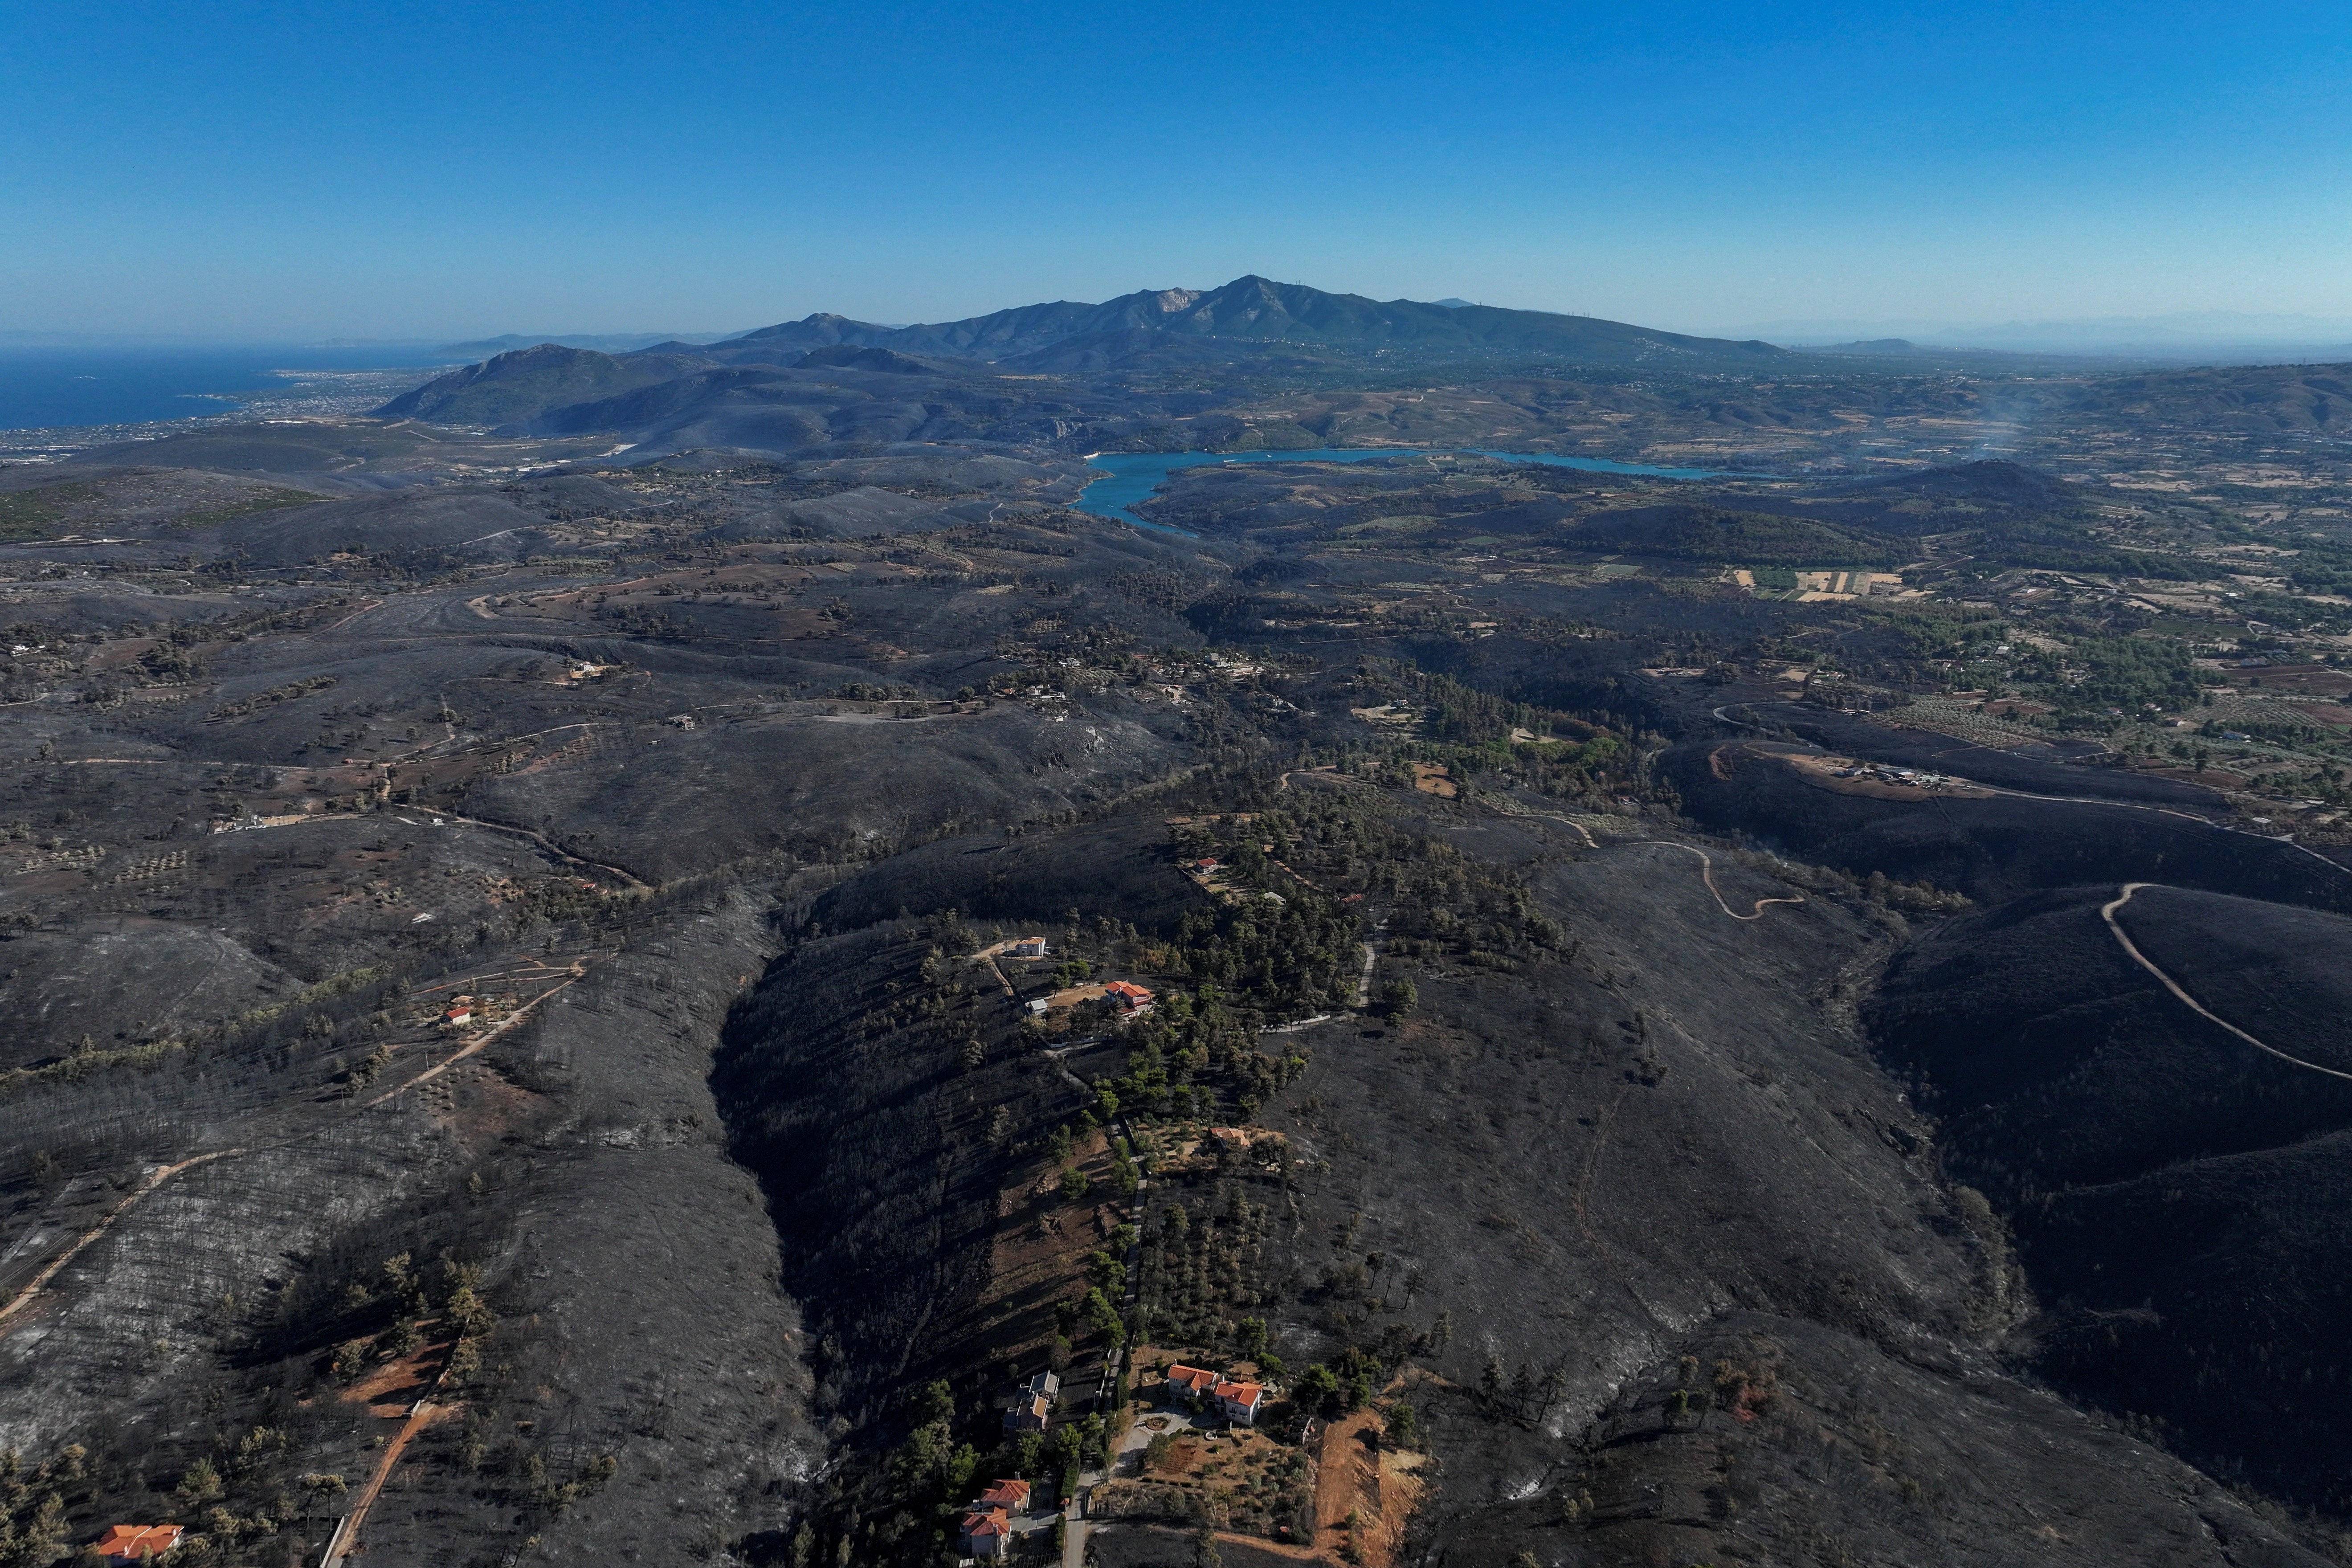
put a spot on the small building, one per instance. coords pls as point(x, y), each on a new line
point(1191, 1384)
point(986, 1532)
point(1011, 1496)
point(137, 1542)
point(1032, 1408)
point(1241, 1400)
point(1039, 1007)
point(1027, 947)
point(461, 1011)
point(1129, 997)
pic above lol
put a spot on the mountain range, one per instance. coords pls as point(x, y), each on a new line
point(1260, 314)
point(787, 386)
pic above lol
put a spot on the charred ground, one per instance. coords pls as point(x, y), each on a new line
point(1660, 1125)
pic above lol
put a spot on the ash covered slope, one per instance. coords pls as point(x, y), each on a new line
point(529, 796)
point(2176, 1191)
point(710, 781)
point(1571, 1174)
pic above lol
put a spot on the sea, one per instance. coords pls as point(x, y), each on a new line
point(1130, 477)
point(44, 388)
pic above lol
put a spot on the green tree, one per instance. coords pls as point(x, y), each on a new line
point(199, 1484)
point(1103, 1318)
point(1316, 1390)
point(1399, 997)
point(935, 1401)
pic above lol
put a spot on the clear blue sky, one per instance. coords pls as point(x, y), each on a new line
point(279, 170)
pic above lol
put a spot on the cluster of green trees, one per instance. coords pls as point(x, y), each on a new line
point(1200, 1264)
point(903, 1505)
point(33, 1527)
point(1589, 760)
point(1918, 632)
point(2096, 672)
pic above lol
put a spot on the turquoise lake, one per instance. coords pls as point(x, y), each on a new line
point(1130, 477)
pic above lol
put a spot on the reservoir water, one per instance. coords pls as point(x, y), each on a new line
point(1130, 477)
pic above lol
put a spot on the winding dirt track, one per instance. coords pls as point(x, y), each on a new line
point(2107, 913)
point(1706, 875)
point(1706, 861)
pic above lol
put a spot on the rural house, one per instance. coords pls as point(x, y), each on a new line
point(1240, 1402)
point(1027, 947)
point(1011, 1496)
point(136, 1543)
point(1032, 1408)
point(985, 1533)
point(1191, 1384)
point(1129, 996)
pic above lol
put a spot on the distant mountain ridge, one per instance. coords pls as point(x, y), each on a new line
point(551, 386)
point(1261, 313)
point(603, 342)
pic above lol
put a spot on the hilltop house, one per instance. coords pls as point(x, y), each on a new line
point(986, 1532)
point(1129, 997)
point(1241, 1401)
point(1027, 947)
point(136, 1543)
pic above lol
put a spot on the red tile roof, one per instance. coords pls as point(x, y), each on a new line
point(1004, 1494)
point(1131, 992)
point(1242, 1394)
point(980, 1524)
point(130, 1542)
point(1192, 1378)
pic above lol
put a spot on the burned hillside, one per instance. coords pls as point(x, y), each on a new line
point(713, 1000)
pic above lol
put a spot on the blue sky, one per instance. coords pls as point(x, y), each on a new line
point(244, 171)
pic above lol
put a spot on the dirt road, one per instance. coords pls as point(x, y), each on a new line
point(2107, 913)
point(163, 1174)
point(347, 1537)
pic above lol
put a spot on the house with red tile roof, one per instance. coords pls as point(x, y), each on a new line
point(137, 1542)
point(1011, 1496)
point(1241, 1401)
point(1191, 1384)
point(1129, 995)
point(986, 1532)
